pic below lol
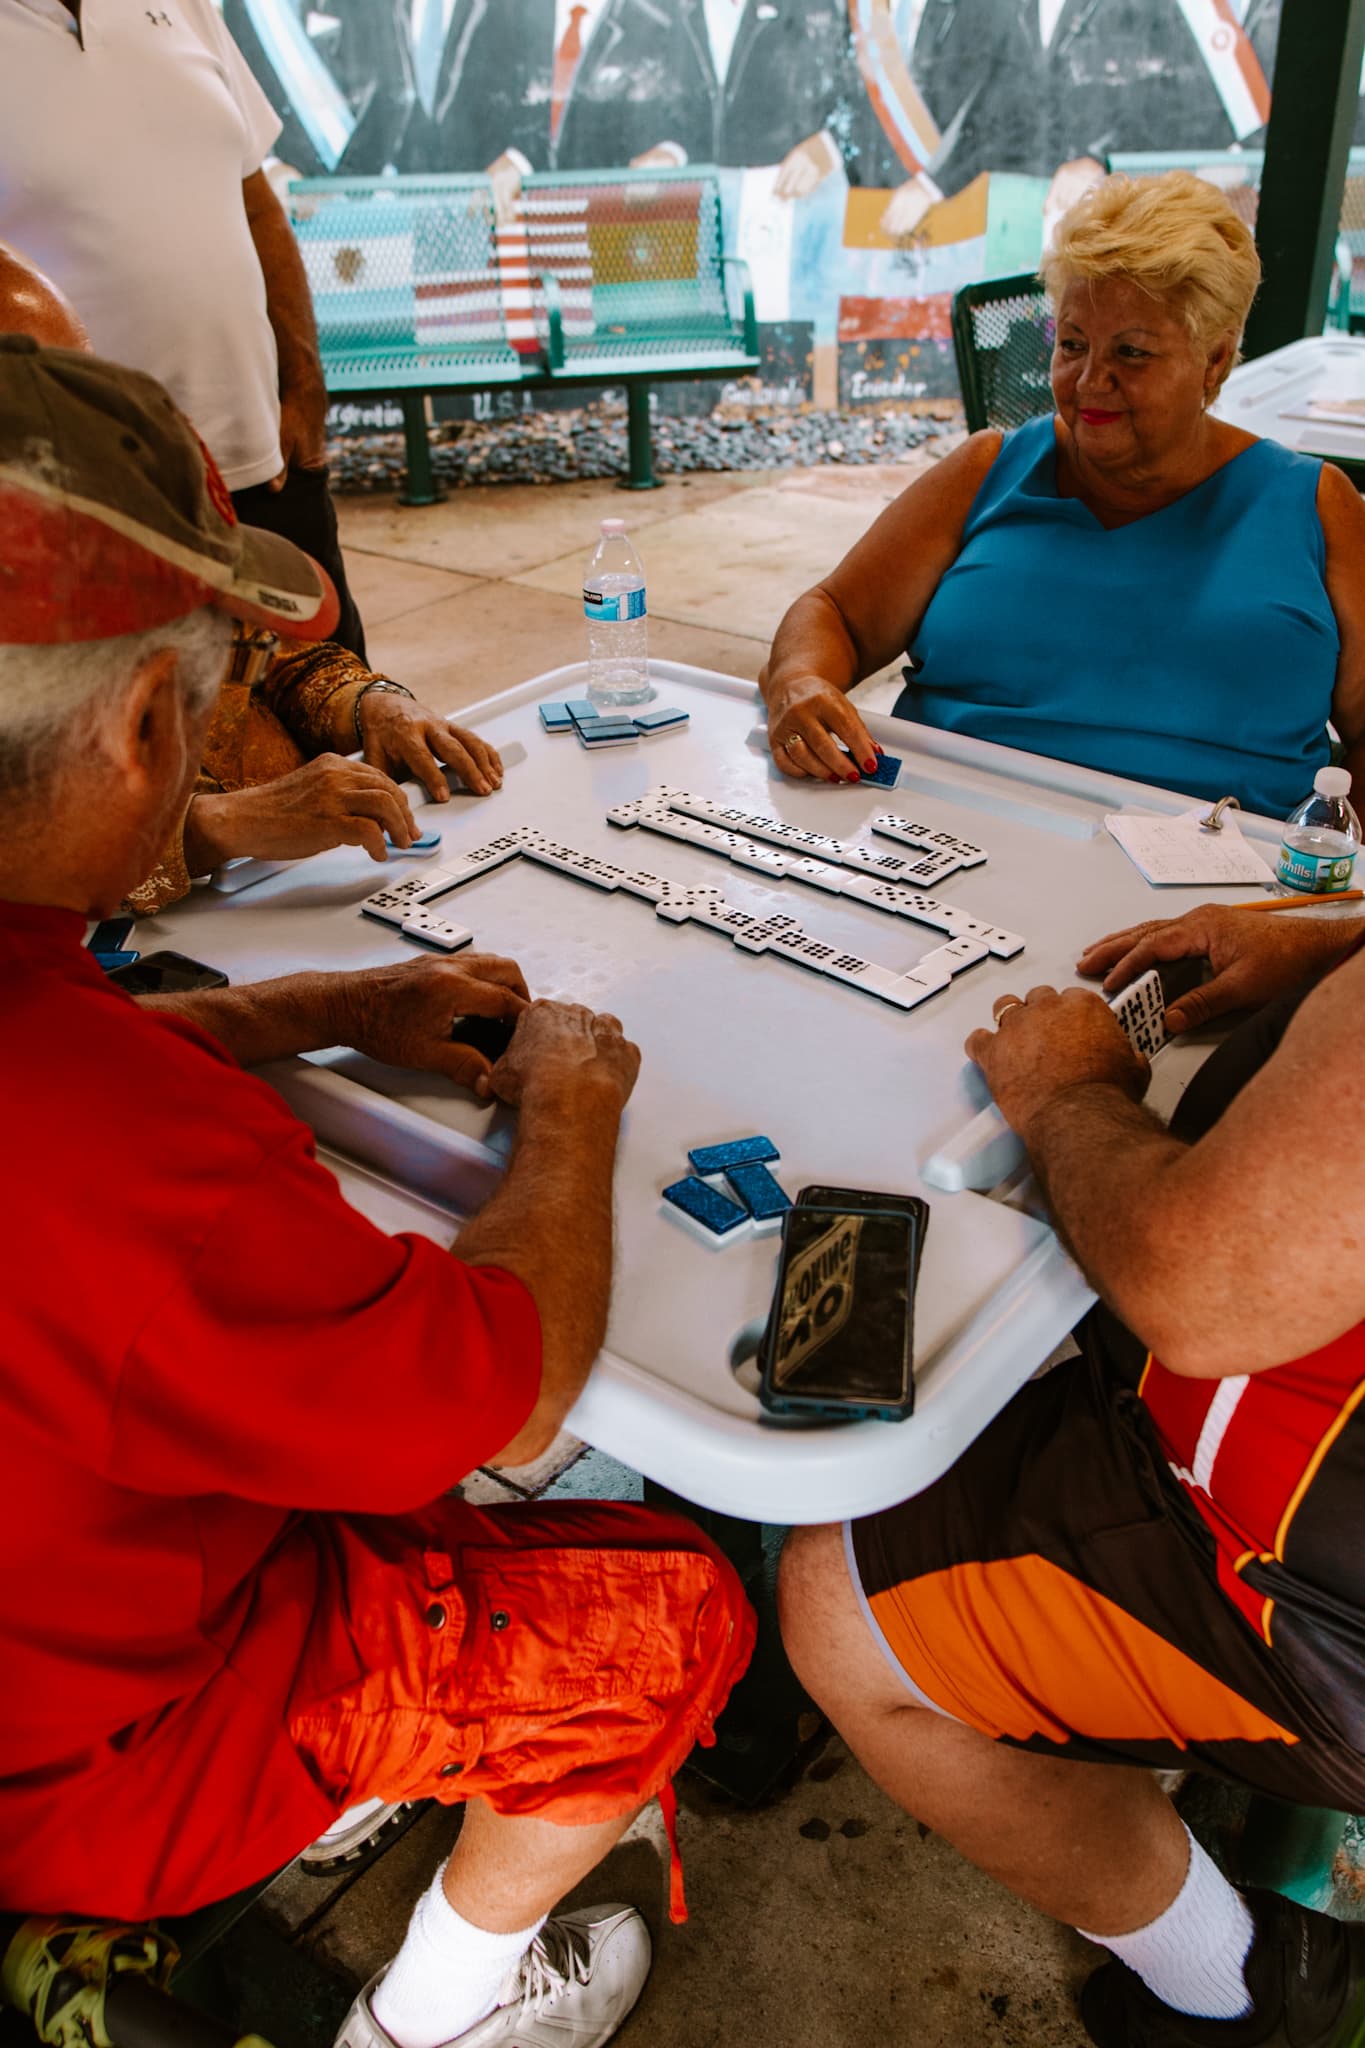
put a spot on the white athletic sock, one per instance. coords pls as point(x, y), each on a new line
point(1191, 1956)
point(447, 1976)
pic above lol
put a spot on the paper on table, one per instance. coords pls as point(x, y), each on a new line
point(1350, 411)
point(1175, 850)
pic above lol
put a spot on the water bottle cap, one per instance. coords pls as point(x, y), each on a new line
point(1333, 782)
point(610, 527)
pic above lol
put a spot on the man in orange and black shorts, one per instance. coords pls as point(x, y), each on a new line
point(1152, 1557)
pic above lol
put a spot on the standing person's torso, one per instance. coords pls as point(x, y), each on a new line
point(1195, 648)
point(121, 169)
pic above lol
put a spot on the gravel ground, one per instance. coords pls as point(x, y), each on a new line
point(591, 442)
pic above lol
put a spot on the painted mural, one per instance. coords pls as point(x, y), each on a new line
point(877, 154)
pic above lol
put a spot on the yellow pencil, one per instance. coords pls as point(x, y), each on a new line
point(1299, 902)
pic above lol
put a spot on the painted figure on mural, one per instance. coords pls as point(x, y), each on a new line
point(917, 95)
point(569, 84)
point(1051, 87)
point(729, 82)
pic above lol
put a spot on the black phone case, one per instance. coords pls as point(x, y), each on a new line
point(812, 1408)
point(139, 979)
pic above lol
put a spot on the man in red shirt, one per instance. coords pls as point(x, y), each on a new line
point(1152, 1556)
point(237, 1596)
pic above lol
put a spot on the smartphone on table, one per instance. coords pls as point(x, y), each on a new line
point(167, 974)
point(840, 1338)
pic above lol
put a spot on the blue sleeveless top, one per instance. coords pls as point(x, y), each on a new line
point(1196, 648)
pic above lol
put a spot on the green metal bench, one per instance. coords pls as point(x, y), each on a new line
point(602, 278)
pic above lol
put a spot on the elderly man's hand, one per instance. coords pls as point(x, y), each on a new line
point(807, 717)
point(561, 1046)
point(403, 1015)
point(1045, 1044)
point(328, 802)
point(401, 734)
point(1253, 956)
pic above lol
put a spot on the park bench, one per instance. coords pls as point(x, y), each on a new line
point(601, 278)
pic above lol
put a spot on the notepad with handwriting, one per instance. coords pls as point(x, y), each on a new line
point(1172, 852)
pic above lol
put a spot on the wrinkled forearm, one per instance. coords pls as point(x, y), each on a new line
point(1112, 1172)
point(813, 639)
point(550, 1224)
point(289, 301)
point(266, 1020)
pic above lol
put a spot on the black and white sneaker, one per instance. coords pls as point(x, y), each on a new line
point(353, 1834)
point(1305, 1973)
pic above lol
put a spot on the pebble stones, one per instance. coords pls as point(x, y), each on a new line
point(590, 441)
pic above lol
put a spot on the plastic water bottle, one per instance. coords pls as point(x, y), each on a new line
point(1321, 838)
point(618, 625)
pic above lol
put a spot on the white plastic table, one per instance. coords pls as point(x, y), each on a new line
point(1290, 395)
point(851, 1091)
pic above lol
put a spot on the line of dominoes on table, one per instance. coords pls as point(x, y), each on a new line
point(772, 847)
point(862, 873)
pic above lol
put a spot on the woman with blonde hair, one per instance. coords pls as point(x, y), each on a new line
point(1128, 583)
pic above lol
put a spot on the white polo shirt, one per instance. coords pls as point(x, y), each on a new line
point(122, 153)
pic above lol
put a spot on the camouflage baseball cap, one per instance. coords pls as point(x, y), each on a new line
point(114, 517)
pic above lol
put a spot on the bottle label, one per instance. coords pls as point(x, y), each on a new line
point(629, 604)
point(1313, 874)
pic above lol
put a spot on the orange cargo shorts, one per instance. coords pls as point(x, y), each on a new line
point(554, 1659)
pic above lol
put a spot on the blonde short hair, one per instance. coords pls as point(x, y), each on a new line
point(1176, 237)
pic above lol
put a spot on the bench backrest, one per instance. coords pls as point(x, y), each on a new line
point(406, 270)
point(634, 253)
point(404, 266)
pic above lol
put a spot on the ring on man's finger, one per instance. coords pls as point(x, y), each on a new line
point(1002, 1010)
point(792, 742)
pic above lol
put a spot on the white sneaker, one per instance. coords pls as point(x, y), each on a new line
point(573, 1987)
point(351, 1834)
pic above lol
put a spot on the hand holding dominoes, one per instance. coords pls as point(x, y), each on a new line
point(1252, 958)
point(403, 1015)
point(562, 1049)
point(1047, 1042)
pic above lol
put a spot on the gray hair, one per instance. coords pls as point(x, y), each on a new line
point(57, 700)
